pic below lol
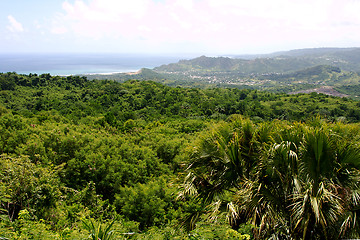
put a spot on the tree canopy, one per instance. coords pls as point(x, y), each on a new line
point(82, 159)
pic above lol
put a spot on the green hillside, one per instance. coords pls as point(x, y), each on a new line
point(142, 160)
point(320, 75)
point(255, 66)
point(346, 59)
point(305, 79)
point(291, 71)
point(283, 72)
point(75, 97)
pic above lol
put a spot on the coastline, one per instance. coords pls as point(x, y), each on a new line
point(81, 64)
point(65, 73)
point(129, 72)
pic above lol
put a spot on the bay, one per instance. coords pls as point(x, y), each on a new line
point(81, 63)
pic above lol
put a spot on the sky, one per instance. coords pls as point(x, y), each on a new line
point(177, 26)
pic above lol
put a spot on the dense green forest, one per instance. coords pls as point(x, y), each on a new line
point(99, 159)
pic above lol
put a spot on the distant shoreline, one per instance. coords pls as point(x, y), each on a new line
point(76, 73)
point(130, 72)
point(108, 73)
point(81, 64)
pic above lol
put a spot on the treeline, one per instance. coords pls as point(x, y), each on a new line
point(77, 98)
point(77, 155)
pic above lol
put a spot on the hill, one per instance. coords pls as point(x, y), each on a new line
point(244, 67)
point(319, 75)
point(79, 156)
point(290, 71)
point(344, 58)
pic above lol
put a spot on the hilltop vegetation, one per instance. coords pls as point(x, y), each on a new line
point(344, 58)
point(285, 72)
point(149, 161)
point(78, 99)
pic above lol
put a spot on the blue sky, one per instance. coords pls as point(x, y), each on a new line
point(177, 26)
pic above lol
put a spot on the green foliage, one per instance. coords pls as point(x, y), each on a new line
point(99, 231)
point(352, 90)
point(27, 184)
point(75, 149)
point(289, 180)
point(232, 234)
point(152, 204)
point(125, 105)
point(216, 231)
point(25, 227)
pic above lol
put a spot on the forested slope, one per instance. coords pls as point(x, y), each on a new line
point(282, 62)
point(78, 99)
point(76, 152)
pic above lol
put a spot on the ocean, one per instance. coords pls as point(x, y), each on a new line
point(71, 64)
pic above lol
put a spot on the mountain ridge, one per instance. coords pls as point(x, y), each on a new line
point(289, 71)
point(345, 58)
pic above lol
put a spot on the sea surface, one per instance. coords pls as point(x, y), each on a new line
point(72, 64)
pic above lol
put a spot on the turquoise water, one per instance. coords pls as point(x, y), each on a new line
point(71, 64)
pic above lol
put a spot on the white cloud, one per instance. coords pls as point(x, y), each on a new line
point(59, 30)
point(58, 25)
point(220, 25)
point(14, 26)
point(186, 4)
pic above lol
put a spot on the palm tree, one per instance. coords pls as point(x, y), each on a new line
point(223, 160)
point(292, 181)
point(327, 186)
